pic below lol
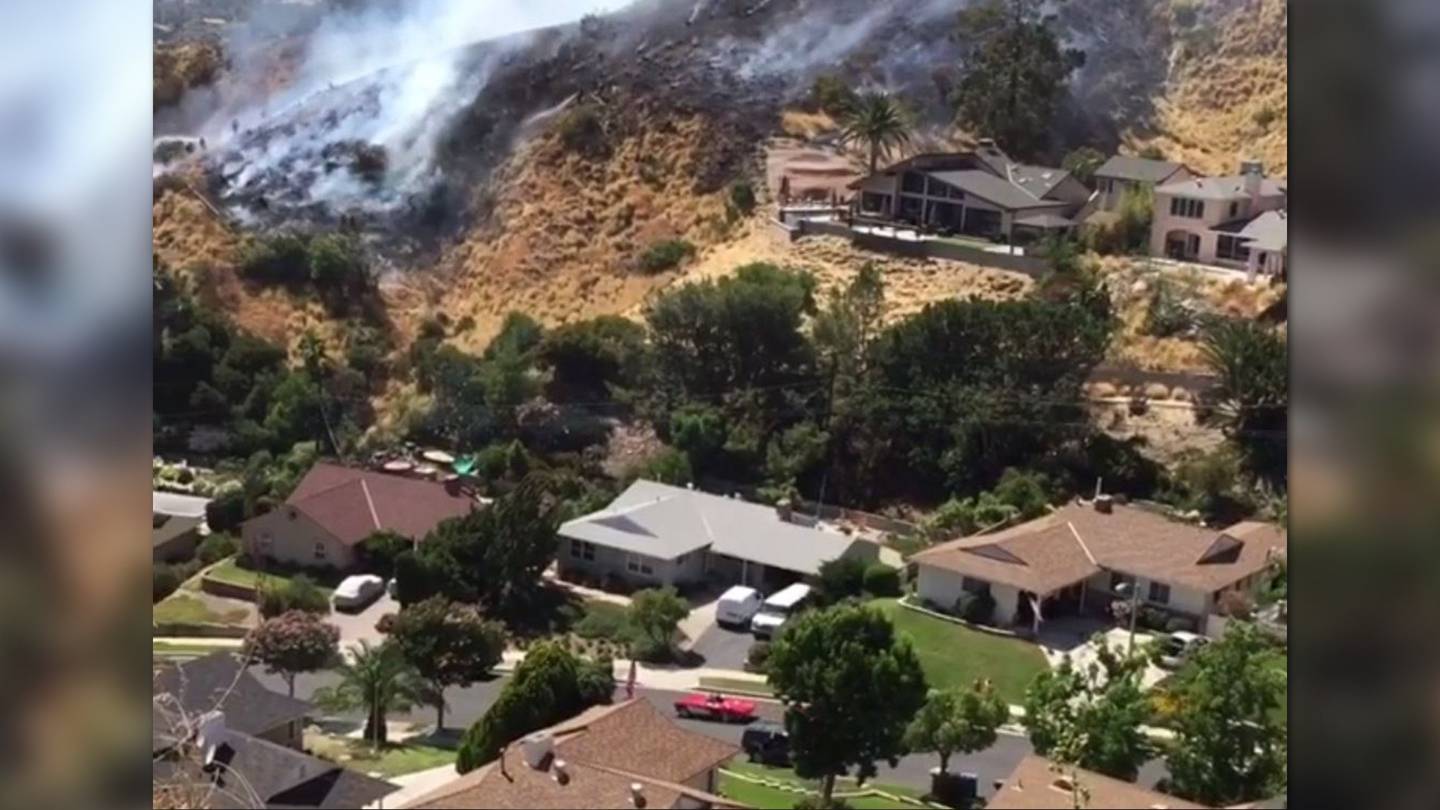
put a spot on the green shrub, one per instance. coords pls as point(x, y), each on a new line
point(164, 580)
point(603, 620)
point(759, 656)
point(742, 197)
point(882, 580)
point(666, 255)
point(277, 258)
point(596, 680)
point(300, 593)
point(215, 548)
point(1152, 618)
point(377, 553)
point(840, 579)
point(226, 511)
point(978, 608)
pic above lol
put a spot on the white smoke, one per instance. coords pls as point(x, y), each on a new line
point(385, 76)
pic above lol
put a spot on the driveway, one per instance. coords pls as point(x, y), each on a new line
point(355, 627)
point(1074, 637)
point(723, 648)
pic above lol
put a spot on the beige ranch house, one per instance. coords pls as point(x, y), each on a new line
point(1072, 560)
point(335, 507)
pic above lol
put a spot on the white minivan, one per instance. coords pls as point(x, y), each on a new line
point(736, 606)
point(775, 610)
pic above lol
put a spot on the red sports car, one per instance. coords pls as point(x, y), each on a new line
point(715, 707)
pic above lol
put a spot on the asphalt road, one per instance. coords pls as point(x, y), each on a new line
point(465, 706)
point(723, 648)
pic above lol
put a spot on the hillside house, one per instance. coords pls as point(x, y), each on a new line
point(334, 507)
point(1073, 560)
point(1236, 221)
point(981, 193)
point(656, 534)
point(1122, 174)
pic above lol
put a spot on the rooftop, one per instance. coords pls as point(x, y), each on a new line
point(1034, 784)
point(606, 750)
point(352, 503)
point(663, 521)
point(1222, 188)
point(1144, 170)
point(217, 682)
point(1077, 541)
point(164, 528)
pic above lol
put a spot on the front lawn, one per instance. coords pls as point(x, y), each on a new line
point(954, 655)
point(231, 571)
point(184, 608)
point(765, 796)
point(394, 759)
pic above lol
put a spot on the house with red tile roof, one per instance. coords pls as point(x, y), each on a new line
point(627, 755)
point(334, 507)
point(1075, 558)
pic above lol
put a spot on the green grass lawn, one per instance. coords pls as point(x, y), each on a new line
point(764, 796)
point(182, 607)
point(231, 571)
point(172, 650)
point(954, 655)
point(395, 759)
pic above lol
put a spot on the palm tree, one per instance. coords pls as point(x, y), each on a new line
point(378, 679)
point(877, 120)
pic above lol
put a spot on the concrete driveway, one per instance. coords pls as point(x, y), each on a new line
point(723, 648)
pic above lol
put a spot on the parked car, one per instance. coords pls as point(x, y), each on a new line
point(355, 592)
point(767, 743)
point(715, 706)
point(737, 606)
point(778, 608)
point(1176, 647)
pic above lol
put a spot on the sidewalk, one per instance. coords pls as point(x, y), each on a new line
point(415, 785)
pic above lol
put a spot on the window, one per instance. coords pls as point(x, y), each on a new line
point(976, 586)
point(1190, 209)
point(1159, 593)
point(579, 549)
point(266, 541)
point(913, 182)
point(1234, 210)
point(319, 551)
point(1232, 247)
point(636, 564)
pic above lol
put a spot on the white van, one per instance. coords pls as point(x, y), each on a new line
point(736, 606)
point(777, 609)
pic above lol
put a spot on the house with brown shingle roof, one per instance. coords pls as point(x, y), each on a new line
point(1073, 559)
point(334, 507)
point(1036, 783)
point(627, 755)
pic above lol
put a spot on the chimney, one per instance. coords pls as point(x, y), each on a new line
point(1104, 503)
point(1252, 172)
point(210, 734)
point(637, 794)
point(562, 776)
point(537, 748)
point(783, 510)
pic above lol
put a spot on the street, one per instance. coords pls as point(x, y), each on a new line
point(465, 706)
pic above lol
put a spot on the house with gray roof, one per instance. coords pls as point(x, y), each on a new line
point(978, 193)
point(1124, 174)
point(1235, 221)
point(657, 534)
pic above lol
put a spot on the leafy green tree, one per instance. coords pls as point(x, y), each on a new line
point(292, 643)
point(300, 593)
point(839, 579)
point(492, 557)
point(655, 615)
point(1014, 74)
point(226, 511)
point(591, 359)
point(448, 644)
point(549, 685)
point(377, 679)
point(669, 466)
point(1230, 746)
point(1083, 162)
point(1253, 395)
point(832, 94)
point(1091, 715)
point(377, 553)
point(215, 548)
point(957, 721)
point(798, 450)
point(877, 121)
point(520, 335)
point(850, 687)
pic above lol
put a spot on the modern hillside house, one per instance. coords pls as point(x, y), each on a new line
point(1236, 221)
point(981, 193)
point(1123, 174)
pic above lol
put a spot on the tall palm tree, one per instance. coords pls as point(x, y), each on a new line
point(377, 679)
point(877, 120)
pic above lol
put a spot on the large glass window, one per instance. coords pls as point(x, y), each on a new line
point(1232, 247)
point(913, 182)
point(1190, 209)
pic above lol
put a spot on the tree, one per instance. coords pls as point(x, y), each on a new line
point(377, 553)
point(840, 579)
point(1230, 746)
point(849, 687)
point(592, 359)
point(448, 644)
point(300, 593)
point(1253, 394)
point(1082, 163)
point(655, 614)
point(226, 511)
point(1091, 718)
point(879, 122)
point(548, 686)
point(378, 680)
point(1014, 74)
point(957, 721)
point(292, 643)
point(492, 557)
